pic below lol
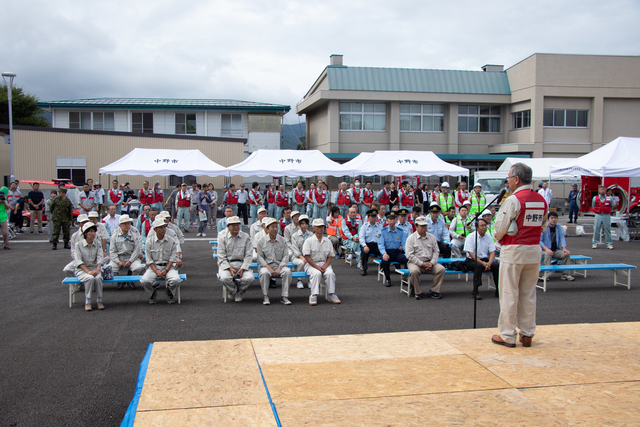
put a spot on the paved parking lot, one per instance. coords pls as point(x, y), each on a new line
point(64, 366)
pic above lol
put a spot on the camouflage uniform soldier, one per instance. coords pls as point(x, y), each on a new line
point(62, 215)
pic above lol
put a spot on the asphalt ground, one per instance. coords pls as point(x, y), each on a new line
point(67, 367)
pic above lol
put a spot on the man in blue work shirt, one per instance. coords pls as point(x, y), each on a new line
point(391, 246)
point(573, 204)
point(404, 223)
point(437, 227)
point(369, 235)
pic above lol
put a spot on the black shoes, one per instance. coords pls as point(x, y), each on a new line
point(363, 272)
point(273, 284)
point(434, 295)
point(418, 296)
point(67, 245)
point(387, 283)
point(55, 246)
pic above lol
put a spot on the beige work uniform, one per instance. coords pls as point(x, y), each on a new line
point(423, 249)
point(125, 249)
point(289, 231)
point(91, 257)
point(160, 253)
point(319, 252)
point(519, 269)
point(70, 269)
point(275, 254)
point(237, 253)
point(295, 247)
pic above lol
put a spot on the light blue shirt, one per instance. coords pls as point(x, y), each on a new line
point(406, 227)
point(545, 237)
point(222, 224)
point(439, 229)
point(370, 233)
point(391, 239)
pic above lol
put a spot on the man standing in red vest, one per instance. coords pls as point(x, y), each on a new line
point(344, 200)
point(115, 196)
point(519, 224)
point(298, 197)
point(602, 206)
point(231, 199)
point(462, 195)
point(282, 201)
point(406, 196)
point(271, 200)
point(145, 195)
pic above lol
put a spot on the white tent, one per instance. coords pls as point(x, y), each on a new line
point(541, 167)
point(150, 162)
point(399, 163)
point(618, 158)
point(287, 163)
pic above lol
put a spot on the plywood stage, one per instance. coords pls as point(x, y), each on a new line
point(578, 375)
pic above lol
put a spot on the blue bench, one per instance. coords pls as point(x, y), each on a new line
point(404, 279)
point(622, 269)
point(294, 275)
point(378, 262)
point(71, 281)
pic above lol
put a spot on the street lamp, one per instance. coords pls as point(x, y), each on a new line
point(8, 79)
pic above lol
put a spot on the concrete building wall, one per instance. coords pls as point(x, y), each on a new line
point(621, 118)
point(318, 129)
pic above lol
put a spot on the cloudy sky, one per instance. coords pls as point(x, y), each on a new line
point(272, 51)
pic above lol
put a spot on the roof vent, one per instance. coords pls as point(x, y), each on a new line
point(491, 67)
point(335, 59)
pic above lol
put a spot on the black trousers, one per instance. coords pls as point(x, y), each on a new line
point(373, 250)
point(242, 212)
point(478, 269)
point(394, 255)
point(445, 251)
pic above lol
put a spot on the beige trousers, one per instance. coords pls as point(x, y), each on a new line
point(517, 300)
point(557, 254)
point(414, 276)
point(265, 278)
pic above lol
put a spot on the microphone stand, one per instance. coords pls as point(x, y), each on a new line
point(475, 221)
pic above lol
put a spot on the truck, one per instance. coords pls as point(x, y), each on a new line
point(626, 189)
point(492, 183)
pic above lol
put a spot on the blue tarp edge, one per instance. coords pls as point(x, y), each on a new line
point(130, 415)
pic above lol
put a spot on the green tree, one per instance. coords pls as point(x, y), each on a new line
point(303, 143)
point(24, 108)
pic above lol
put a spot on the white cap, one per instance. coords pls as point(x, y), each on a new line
point(434, 204)
point(268, 221)
point(466, 202)
point(262, 210)
point(318, 222)
point(294, 213)
point(233, 220)
point(82, 218)
point(421, 221)
point(165, 213)
point(124, 219)
point(93, 214)
point(445, 184)
point(303, 217)
point(158, 223)
point(88, 226)
point(477, 184)
point(486, 212)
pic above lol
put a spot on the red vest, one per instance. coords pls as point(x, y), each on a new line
point(385, 198)
point(158, 197)
point(147, 226)
point(367, 196)
point(283, 199)
point(352, 226)
point(298, 196)
point(115, 196)
point(256, 196)
point(602, 207)
point(320, 198)
point(407, 198)
point(271, 197)
point(146, 199)
point(283, 225)
point(356, 195)
point(343, 199)
point(184, 202)
point(232, 198)
point(533, 209)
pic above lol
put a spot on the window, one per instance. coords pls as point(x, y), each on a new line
point(366, 116)
point(479, 118)
point(231, 125)
point(72, 168)
point(422, 117)
point(521, 120)
point(142, 122)
point(565, 118)
point(185, 124)
point(91, 121)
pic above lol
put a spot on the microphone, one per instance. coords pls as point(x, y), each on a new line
point(501, 195)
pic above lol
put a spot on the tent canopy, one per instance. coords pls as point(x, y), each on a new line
point(619, 158)
point(399, 163)
point(541, 167)
point(150, 162)
point(287, 163)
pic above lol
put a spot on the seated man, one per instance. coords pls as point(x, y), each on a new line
point(295, 246)
point(422, 252)
point(449, 215)
point(334, 224)
point(285, 220)
point(290, 229)
point(554, 245)
point(318, 253)
point(391, 244)
point(172, 226)
point(125, 251)
point(273, 259)
point(256, 227)
point(459, 229)
point(349, 233)
point(369, 234)
point(222, 224)
point(170, 233)
point(70, 269)
point(161, 254)
point(102, 234)
point(439, 229)
point(482, 257)
point(404, 223)
point(235, 254)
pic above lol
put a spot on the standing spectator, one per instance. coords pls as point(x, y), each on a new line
point(61, 217)
point(4, 226)
point(13, 196)
point(213, 206)
point(170, 204)
point(47, 210)
point(99, 195)
point(282, 201)
point(309, 196)
point(242, 204)
point(21, 206)
point(203, 210)
point(126, 197)
point(435, 195)
point(114, 196)
point(35, 199)
point(602, 207)
point(419, 196)
point(615, 200)
point(270, 198)
point(183, 204)
point(231, 199)
point(193, 210)
point(158, 196)
point(145, 195)
point(255, 200)
point(87, 199)
point(461, 194)
point(445, 200)
point(393, 198)
point(573, 204)
point(519, 258)
point(321, 199)
point(546, 192)
point(344, 200)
